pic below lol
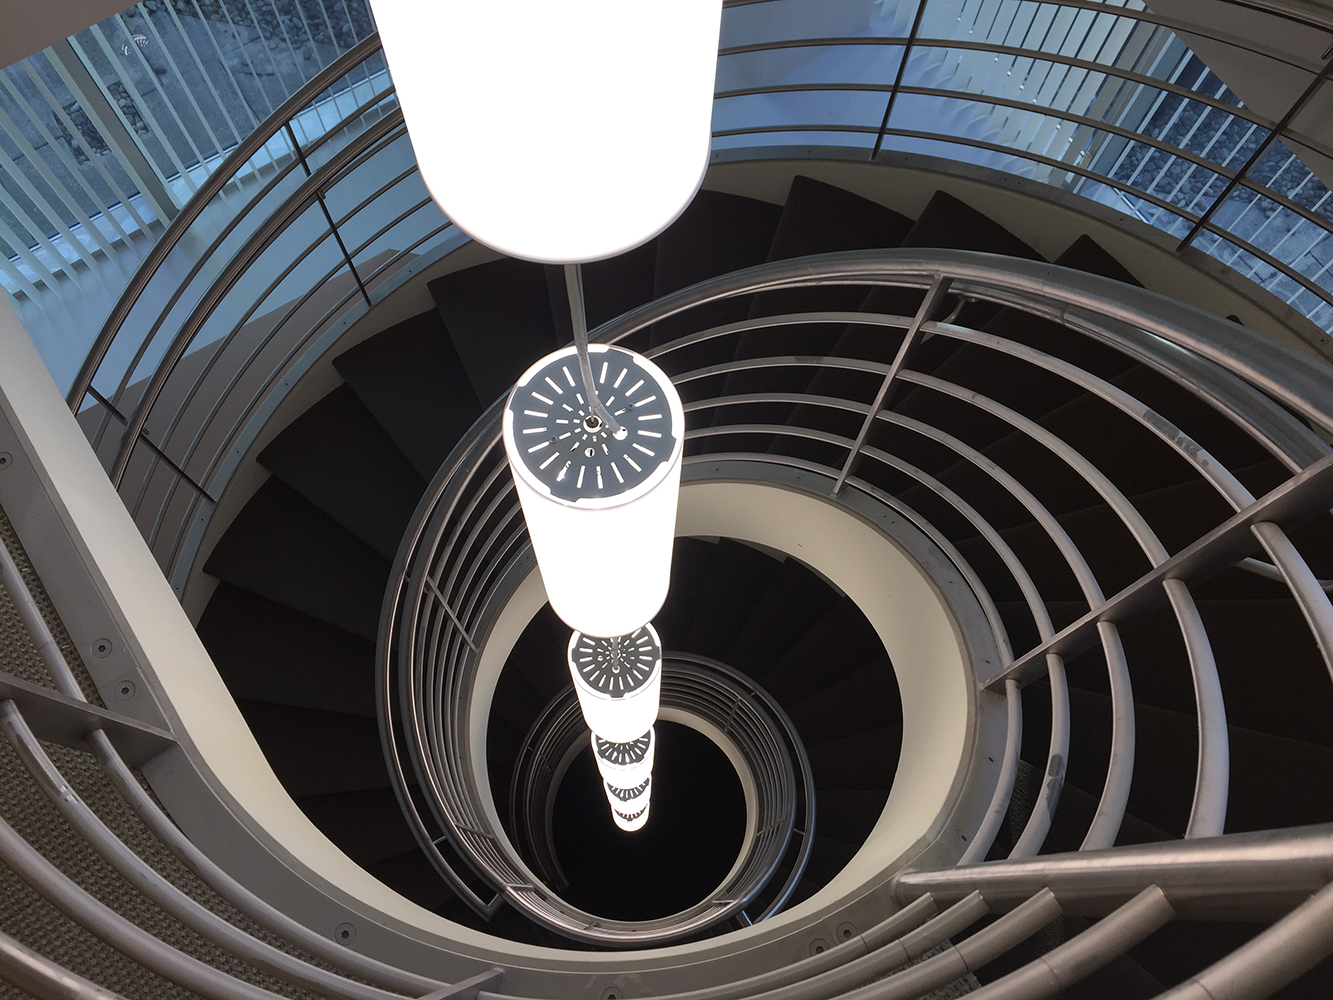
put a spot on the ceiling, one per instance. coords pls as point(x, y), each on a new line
point(30, 27)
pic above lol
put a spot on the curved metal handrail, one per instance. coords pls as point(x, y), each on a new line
point(212, 186)
point(473, 535)
point(560, 727)
point(471, 548)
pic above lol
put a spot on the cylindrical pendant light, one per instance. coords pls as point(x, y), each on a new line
point(632, 819)
point(618, 680)
point(557, 132)
point(601, 510)
point(625, 765)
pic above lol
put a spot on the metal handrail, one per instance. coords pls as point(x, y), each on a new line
point(460, 537)
point(478, 532)
point(687, 682)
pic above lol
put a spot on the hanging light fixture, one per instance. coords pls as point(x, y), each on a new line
point(618, 681)
point(593, 497)
point(562, 133)
point(556, 132)
point(625, 765)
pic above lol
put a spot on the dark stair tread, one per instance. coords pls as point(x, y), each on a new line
point(283, 547)
point(691, 560)
point(864, 700)
point(318, 753)
point(828, 856)
point(411, 874)
point(739, 577)
point(950, 223)
point(858, 762)
point(338, 457)
point(849, 815)
point(267, 652)
point(816, 218)
point(842, 642)
point(1273, 678)
point(412, 379)
point(617, 285)
point(1086, 254)
point(820, 218)
point(792, 605)
point(367, 825)
point(717, 234)
point(499, 318)
point(539, 655)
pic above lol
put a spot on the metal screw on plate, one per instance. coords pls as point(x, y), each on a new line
point(102, 648)
point(6, 460)
point(818, 946)
point(613, 993)
point(344, 933)
point(125, 690)
point(846, 931)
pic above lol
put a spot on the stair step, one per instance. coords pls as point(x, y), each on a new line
point(793, 604)
point(740, 575)
point(267, 652)
point(318, 753)
point(615, 286)
point(499, 318)
point(863, 761)
point(411, 874)
point(366, 825)
point(840, 645)
point(338, 457)
point(691, 561)
point(283, 547)
point(849, 815)
point(412, 379)
point(717, 234)
point(862, 701)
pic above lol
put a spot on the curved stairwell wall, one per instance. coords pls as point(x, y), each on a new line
point(1052, 455)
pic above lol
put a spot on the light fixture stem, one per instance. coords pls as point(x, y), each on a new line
point(574, 285)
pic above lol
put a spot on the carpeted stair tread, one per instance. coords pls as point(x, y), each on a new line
point(739, 577)
point(842, 643)
point(367, 825)
point(410, 874)
point(267, 652)
point(499, 317)
point(615, 286)
point(848, 815)
point(412, 379)
point(691, 562)
point(862, 761)
point(717, 234)
point(860, 701)
point(338, 457)
point(283, 547)
point(318, 753)
point(793, 604)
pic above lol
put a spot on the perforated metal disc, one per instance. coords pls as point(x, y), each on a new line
point(568, 450)
point(628, 794)
point(617, 665)
point(623, 754)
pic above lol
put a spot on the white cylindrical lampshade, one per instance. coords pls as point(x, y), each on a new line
point(556, 132)
point(625, 765)
point(631, 820)
point(601, 511)
point(629, 799)
point(618, 680)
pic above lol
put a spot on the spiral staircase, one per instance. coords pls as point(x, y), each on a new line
point(1113, 509)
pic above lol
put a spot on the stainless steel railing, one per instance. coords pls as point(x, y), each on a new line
point(466, 550)
point(469, 547)
point(739, 709)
